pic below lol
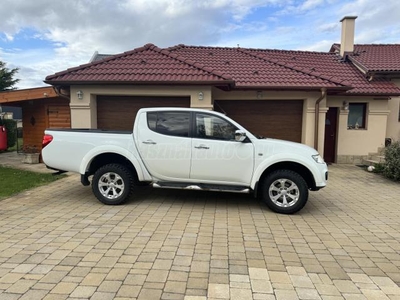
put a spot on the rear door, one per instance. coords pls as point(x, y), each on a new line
point(164, 143)
point(216, 156)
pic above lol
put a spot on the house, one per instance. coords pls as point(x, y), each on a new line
point(379, 61)
point(321, 99)
point(41, 108)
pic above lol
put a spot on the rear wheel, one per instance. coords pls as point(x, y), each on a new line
point(285, 191)
point(112, 184)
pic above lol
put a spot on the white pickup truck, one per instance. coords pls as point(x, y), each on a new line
point(187, 149)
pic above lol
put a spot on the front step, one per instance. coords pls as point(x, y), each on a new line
point(201, 187)
point(374, 160)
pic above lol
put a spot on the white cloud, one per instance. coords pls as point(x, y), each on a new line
point(310, 4)
point(322, 46)
point(329, 27)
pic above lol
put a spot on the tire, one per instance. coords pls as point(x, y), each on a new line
point(285, 191)
point(112, 184)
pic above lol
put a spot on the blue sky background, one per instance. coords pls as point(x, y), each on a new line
point(42, 37)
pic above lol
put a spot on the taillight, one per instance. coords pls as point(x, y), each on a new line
point(46, 140)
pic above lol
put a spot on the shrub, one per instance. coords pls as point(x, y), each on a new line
point(379, 168)
point(391, 168)
point(11, 128)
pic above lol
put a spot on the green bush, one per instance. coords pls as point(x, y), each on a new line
point(11, 128)
point(379, 168)
point(392, 161)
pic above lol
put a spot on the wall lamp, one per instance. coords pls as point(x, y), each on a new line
point(345, 105)
point(79, 94)
point(201, 96)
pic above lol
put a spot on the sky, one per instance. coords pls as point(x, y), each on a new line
point(42, 37)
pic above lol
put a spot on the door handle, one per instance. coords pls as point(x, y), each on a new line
point(149, 142)
point(202, 147)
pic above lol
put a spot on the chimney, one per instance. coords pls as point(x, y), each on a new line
point(347, 40)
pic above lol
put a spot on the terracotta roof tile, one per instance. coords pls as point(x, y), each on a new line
point(251, 69)
point(322, 65)
point(375, 57)
point(145, 64)
point(239, 67)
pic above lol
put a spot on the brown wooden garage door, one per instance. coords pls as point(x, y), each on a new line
point(119, 112)
point(280, 119)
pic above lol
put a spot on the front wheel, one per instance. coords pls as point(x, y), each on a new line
point(285, 191)
point(112, 184)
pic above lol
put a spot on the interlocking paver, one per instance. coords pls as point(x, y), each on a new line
point(59, 242)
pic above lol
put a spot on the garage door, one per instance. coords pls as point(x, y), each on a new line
point(280, 119)
point(119, 112)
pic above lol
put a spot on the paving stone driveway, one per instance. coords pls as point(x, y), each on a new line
point(59, 242)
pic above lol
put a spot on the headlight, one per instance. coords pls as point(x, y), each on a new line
point(318, 159)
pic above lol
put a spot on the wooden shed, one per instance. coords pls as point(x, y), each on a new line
point(41, 108)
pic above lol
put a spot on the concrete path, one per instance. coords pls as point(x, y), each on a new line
point(59, 242)
point(14, 160)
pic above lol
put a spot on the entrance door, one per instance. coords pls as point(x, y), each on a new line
point(330, 135)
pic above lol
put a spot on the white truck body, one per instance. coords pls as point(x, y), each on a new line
point(185, 148)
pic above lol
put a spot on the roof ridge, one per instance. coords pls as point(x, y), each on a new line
point(180, 46)
point(332, 79)
point(151, 47)
point(191, 63)
point(376, 44)
point(90, 64)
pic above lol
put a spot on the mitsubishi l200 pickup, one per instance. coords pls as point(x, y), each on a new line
point(186, 148)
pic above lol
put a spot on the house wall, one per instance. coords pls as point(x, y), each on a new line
point(393, 125)
point(354, 145)
point(84, 111)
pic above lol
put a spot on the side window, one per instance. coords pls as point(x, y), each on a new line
point(169, 123)
point(213, 127)
point(357, 116)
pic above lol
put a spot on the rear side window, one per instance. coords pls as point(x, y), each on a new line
point(169, 123)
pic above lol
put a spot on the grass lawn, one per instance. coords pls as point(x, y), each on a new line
point(13, 181)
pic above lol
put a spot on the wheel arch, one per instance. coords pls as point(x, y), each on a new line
point(300, 169)
point(110, 158)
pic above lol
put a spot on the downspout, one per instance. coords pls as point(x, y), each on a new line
point(323, 94)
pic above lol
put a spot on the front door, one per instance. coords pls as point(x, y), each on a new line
point(330, 135)
point(216, 156)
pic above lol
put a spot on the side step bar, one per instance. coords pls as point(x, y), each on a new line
point(201, 187)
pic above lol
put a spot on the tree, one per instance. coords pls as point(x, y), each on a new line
point(7, 80)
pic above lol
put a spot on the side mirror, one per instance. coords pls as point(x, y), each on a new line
point(240, 135)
